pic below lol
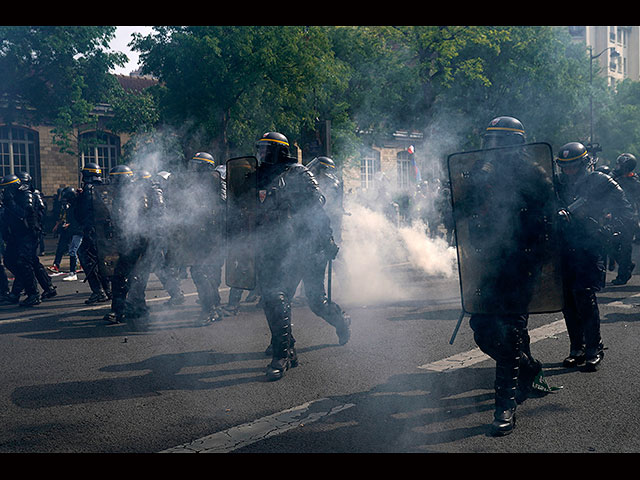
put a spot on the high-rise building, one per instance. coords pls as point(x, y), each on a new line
point(615, 49)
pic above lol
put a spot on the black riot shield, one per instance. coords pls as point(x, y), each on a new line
point(504, 205)
point(107, 247)
point(242, 209)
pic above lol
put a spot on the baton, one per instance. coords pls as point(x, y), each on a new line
point(455, 331)
point(329, 269)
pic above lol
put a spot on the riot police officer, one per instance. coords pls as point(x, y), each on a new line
point(48, 289)
point(291, 224)
point(313, 270)
point(630, 183)
point(202, 239)
point(21, 230)
point(152, 230)
point(127, 213)
point(324, 169)
point(87, 252)
point(588, 196)
point(495, 205)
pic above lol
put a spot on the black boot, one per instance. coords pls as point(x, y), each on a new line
point(575, 359)
point(593, 361)
point(278, 366)
point(52, 292)
point(504, 421)
point(284, 357)
point(10, 299)
point(504, 417)
point(31, 300)
point(96, 298)
point(114, 318)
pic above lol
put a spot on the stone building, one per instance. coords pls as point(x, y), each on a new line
point(31, 148)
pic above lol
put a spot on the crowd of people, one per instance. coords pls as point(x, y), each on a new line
point(535, 241)
point(120, 226)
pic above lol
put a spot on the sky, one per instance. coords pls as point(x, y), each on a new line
point(119, 44)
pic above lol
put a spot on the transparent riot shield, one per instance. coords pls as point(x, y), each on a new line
point(107, 247)
point(504, 206)
point(242, 208)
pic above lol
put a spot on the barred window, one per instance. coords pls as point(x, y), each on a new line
point(99, 147)
point(369, 166)
point(19, 152)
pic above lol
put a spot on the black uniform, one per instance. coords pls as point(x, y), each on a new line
point(312, 270)
point(292, 226)
point(48, 289)
point(630, 184)
point(201, 242)
point(153, 259)
point(21, 232)
point(88, 253)
point(127, 216)
point(589, 197)
point(505, 224)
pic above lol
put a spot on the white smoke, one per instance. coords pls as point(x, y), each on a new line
point(375, 250)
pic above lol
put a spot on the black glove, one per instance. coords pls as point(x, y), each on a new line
point(331, 249)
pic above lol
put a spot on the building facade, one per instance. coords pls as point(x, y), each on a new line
point(616, 49)
point(31, 148)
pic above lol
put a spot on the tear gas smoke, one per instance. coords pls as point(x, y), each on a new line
point(378, 257)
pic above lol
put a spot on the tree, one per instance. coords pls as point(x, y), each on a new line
point(223, 86)
point(56, 74)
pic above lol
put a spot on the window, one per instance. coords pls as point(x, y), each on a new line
point(101, 148)
point(369, 166)
point(19, 152)
point(406, 173)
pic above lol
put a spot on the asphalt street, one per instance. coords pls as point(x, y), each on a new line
point(74, 384)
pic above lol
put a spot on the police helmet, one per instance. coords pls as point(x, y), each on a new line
point(321, 164)
point(142, 175)
point(68, 193)
point(91, 173)
point(273, 148)
point(502, 132)
point(10, 182)
point(120, 174)
point(571, 155)
point(24, 177)
point(626, 163)
point(203, 159)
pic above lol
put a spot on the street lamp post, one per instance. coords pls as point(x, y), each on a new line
point(614, 54)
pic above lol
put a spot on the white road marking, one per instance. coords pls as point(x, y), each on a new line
point(466, 359)
point(248, 433)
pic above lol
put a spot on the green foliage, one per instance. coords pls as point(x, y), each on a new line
point(221, 87)
point(58, 72)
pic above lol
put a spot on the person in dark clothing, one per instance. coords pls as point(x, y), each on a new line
point(154, 257)
point(87, 252)
point(128, 205)
point(291, 223)
point(21, 230)
point(505, 201)
point(49, 290)
point(588, 196)
point(312, 271)
point(197, 207)
point(70, 233)
point(630, 184)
